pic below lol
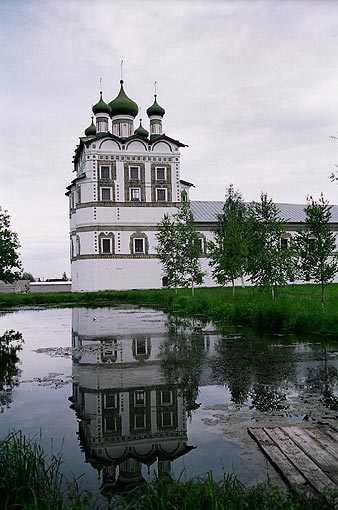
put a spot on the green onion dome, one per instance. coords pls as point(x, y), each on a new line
point(91, 130)
point(122, 105)
point(141, 131)
point(101, 106)
point(155, 109)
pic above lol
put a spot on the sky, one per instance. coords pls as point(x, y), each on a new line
point(250, 86)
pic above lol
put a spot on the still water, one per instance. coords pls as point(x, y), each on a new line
point(126, 392)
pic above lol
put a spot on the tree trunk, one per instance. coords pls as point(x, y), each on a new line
point(323, 297)
point(273, 291)
point(192, 288)
point(233, 288)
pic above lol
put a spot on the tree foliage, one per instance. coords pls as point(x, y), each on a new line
point(10, 344)
point(228, 251)
point(10, 265)
point(316, 243)
point(269, 264)
point(179, 249)
point(28, 276)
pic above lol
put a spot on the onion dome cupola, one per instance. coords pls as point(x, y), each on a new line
point(141, 131)
point(91, 130)
point(101, 111)
point(123, 113)
point(155, 113)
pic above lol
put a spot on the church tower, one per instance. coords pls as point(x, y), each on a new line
point(126, 179)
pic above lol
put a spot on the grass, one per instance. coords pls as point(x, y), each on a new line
point(31, 480)
point(297, 308)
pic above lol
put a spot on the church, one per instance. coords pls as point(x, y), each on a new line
point(126, 179)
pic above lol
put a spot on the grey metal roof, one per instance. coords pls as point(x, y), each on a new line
point(207, 211)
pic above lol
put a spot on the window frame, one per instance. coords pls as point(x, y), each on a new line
point(110, 245)
point(105, 167)
point(106, 188)
point(131, 199)
point(138, 416)
point(143, 245)
point(134, 167)
point(157, 168)
point(165, 194)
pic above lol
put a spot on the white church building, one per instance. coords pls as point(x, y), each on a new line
point(126, 180)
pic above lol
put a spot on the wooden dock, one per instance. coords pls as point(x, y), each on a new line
point(306, 458)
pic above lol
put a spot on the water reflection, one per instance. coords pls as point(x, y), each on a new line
point(141, 377)
point(130, 413)
point(10, 345)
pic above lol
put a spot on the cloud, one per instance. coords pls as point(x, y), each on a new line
point(251, 87)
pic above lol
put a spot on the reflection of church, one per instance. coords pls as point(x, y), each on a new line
point(129, 417)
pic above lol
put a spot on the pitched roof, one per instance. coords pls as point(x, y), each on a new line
point(207, 211)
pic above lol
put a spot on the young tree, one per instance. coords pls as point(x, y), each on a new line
point(229, 250)
point(316, 243)
point(269, 263)
point(179, 249)
point(10, 265)
point(168, 250)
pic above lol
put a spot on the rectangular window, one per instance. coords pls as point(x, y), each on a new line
point(105, 172)
point(161, 174)
point(106, 245)
point(284, 242)
point(141, 347)
point(138, 245)
point(140, 399)
point(161, 195)
point(106, 194)
point(139, 421)
point(134, 173)
point(167, 419)
point(200, 244)
point(135, 194)
point(110, 424)
point(166, 397)
point(110, 401)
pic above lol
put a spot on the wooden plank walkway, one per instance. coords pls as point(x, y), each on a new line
point(306, 458)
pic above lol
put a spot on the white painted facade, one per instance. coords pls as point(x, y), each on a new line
point(122, 188)
point(125, 181)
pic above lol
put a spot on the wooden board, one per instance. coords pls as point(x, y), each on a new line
point(288, 471)
point(304, 457)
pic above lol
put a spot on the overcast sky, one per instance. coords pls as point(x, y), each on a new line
point(251, 87)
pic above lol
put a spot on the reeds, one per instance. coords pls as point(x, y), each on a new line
point(28, 479)
point(32, 480)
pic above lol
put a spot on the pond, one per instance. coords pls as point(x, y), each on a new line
point(126, 392)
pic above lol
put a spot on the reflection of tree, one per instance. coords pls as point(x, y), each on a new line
point(182, 357)
point(10, 344)
point(323, 379)
point(253, 368)
point(267, 398)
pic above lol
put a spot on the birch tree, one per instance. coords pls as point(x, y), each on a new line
point(316, 244)
point(179, 249)
point(228, 251)
point(269, 264)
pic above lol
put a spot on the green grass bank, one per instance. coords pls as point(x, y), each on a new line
point(32, 480)
point(296, 308)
